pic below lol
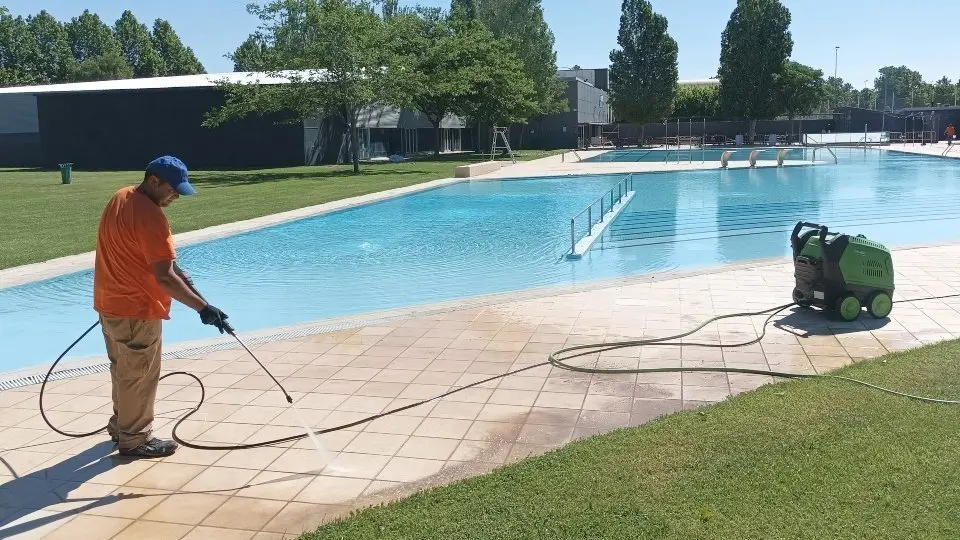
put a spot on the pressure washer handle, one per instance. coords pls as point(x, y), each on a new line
point(797, 242)
point(802, 224)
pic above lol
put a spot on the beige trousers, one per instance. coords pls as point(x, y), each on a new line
point(134, 350)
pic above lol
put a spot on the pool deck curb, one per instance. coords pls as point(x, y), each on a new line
point(92, 364)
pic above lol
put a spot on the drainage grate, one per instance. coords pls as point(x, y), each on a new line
point(55, 376)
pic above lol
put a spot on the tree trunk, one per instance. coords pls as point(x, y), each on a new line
point(355, 139)
point(355, 148)
point(350, 117)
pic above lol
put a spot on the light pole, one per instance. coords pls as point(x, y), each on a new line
point(836, 83)
point(836, 55)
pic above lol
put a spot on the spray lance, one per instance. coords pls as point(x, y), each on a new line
point(226, 327)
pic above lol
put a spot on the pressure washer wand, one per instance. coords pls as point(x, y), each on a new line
point(229, 330)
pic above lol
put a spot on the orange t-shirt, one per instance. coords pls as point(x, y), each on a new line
point(133, 234)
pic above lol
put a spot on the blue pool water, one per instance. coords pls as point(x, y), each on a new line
point(696, 155)
point(488, 237)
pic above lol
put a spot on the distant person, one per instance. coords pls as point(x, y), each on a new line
point(135, 277)
point(950, 132)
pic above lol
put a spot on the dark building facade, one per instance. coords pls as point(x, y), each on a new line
point(124, 130)
point(588, 111)
point(123, 124)
point(19, 131)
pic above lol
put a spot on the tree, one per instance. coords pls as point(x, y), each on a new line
point(249, 56)
point(331, 57)
point(450, 66)
point(176, 59)
point(463, 9)
point(895, 85)
point(105, 67)
point(799, 89)
point(696, 101)
point(137, 47)
point(438, 71)
point(754, 48)
point(53, 60)
point(867, 99)
point(944, 92)
point(839, 93)
point(18, 51)
point(520, 23)
point(389, 9)
point(501, 92)
point(89, 36)
point(643, 73)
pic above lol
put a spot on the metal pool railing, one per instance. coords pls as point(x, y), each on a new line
point(606, 201)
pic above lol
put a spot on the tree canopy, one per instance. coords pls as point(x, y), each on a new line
point(643, 72)
point(437, 63)
point(39, 49)
point(333, 58)
point(453, 67)
point(799, 89)
point(137, 47)
point(524, 32)
point(754, 48)
point(696, 101)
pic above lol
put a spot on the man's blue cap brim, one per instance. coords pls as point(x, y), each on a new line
point(185, 188)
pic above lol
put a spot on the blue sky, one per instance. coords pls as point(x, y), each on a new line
point(870, 33)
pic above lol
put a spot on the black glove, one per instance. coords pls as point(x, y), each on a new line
point(213, 316)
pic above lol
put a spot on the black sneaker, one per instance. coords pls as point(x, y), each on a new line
point(153, 448)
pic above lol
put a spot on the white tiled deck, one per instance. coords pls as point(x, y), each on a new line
point(51, 487)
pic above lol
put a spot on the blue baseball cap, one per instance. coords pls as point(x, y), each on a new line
point(172, 171)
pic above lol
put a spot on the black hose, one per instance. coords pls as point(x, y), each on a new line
point(552, 360)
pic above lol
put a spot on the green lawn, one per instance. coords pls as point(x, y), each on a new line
point(44, 219)
point(803, 459)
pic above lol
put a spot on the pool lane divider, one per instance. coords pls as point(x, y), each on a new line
point(596, 231)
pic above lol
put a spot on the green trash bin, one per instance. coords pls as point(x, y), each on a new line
point(66, 172)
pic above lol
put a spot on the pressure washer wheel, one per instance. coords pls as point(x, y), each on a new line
point(879, 305)
point(848, 307)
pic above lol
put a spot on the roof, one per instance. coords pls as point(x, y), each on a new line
point(698, 82)
point(930, 108)
point(156, 83)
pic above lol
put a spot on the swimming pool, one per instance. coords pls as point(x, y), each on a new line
point(476, 238)
point(696, 155)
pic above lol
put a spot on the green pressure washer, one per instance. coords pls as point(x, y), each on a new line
point(841, 273)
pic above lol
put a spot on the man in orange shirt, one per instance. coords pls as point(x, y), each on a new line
point(950, 132)
point(135, 278)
